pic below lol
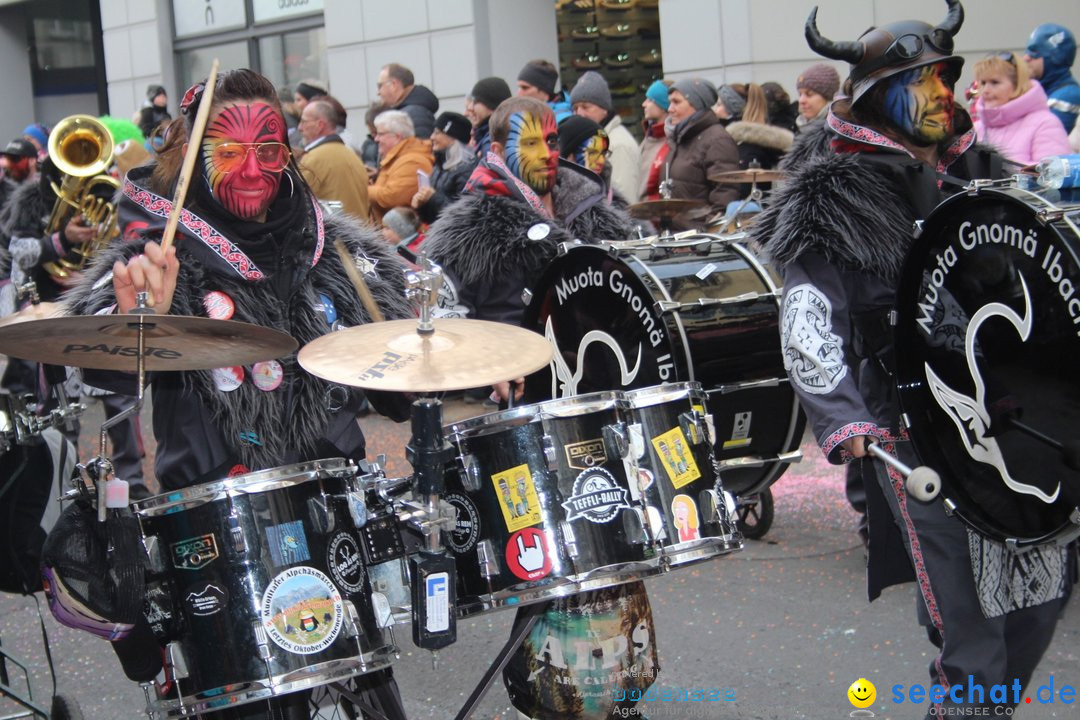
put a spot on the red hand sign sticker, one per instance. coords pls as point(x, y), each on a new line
point(527, 554)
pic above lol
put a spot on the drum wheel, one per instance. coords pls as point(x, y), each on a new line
point(64, 708)
point(754, 514)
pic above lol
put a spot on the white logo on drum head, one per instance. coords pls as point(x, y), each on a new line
point(564, 383)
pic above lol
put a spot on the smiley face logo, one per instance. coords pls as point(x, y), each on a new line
point(862, 693)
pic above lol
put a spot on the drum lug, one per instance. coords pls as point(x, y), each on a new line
point(526, 296)
point(551, 457)
point(635, 525)
point(154, 553)
point(616, 440)
point(471, 477)
point(352, 619)
point(384, 615)
point(709, 505)
point(322, 519)
point(261, 641)
point(569, 539)
point(487, 559)
point(950, 507)
point(176, 663)
point(693, 426)
point(236, 533)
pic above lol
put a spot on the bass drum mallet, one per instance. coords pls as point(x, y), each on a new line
point(922, 483)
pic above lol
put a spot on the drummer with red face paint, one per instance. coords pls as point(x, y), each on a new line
point(253, 245)
point(888, 153)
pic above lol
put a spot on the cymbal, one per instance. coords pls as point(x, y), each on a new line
point(751, 175)
point(392, 355)
point(172, 342)
point(663, 208)
point(37, 311)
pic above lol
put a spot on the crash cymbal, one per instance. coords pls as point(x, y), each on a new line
point(392, 355)
point(172, 342)
point(37, 311)
point(663, 208)
point(751, 175)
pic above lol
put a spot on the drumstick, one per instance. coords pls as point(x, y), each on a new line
point(358, 282)
point(194, 141)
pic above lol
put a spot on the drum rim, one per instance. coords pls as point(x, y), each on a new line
point(252, 483)
point(664, 393)
point(537, 412)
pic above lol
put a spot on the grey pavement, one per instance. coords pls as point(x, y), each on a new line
point(784, 625)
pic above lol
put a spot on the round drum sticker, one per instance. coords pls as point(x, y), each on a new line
point(527, 554)
point(302, 611)
point(467, 527)
point(345, 562)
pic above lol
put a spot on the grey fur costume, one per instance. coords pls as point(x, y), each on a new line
point(203, 430)
point(482, 242)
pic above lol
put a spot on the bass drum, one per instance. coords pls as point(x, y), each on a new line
point(987, 337)
point(679, 309)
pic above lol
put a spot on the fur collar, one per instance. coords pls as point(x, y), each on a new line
point(769, 136)
point(26, 212)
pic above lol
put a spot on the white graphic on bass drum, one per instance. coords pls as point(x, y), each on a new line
point(813, 354)
point(448, 303)
point(969, 413)
point(564, 383)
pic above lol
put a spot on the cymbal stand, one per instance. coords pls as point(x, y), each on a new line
point(433, 572)
point(101, 465)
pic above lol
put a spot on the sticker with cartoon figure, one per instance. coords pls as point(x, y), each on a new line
point(302, 611)
point(517, 497)
point(527, 554)
point(684, 510)
point(676, 458)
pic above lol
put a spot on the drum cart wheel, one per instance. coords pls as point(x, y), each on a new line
point(64, 708)
point(754, 514)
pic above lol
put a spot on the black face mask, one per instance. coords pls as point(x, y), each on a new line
point(440, 157)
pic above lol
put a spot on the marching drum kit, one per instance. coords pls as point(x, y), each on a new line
point(655, 390)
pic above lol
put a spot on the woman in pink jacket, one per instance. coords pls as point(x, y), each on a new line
point(1011, 112)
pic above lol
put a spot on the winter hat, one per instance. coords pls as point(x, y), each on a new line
point(490, 91)
point(455, 125)
point(21, 148)
point(657, 92)
point(539, 76)
point(573, 132)
point(733, 101)
point(38, 132)
point(592, 88)
point(403, 226)
point(309, 91)
point(699, 92)
point(821, 78)
point(152, 91)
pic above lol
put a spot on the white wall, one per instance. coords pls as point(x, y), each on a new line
point(138, 44)
point(18, 89)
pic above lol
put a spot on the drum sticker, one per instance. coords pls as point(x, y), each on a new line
point(467, 526)
point(597, 497)
point(346, 565)
point(705, 271)
point(685, 512)
point(194, 553)
point(740, 431)
point(585, 454)
point(206, 599)
point(813, 354)
point(302, 611)
point(676, 458)
point(517, 497)
point(527, 554)
point(288, 543)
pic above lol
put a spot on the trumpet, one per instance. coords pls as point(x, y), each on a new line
point(82, 149)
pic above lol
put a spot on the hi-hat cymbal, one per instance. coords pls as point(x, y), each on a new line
point(751, 175)
point(37, 311)
point(663, 208)
point(392, 355)
point(172, 342)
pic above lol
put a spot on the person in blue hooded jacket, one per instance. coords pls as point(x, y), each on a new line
point(1050, 53)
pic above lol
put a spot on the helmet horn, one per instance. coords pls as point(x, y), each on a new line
point(954, 19)
point(852, 52)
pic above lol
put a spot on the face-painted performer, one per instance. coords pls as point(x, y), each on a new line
point(584, 142)
point(532, 149)
point(839, 230)
point(252, 245)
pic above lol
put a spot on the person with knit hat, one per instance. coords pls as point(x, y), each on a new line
point(583, 142)
point(38, 135)
point(817, 85)
point(454, 163)
point(1050, 53)
point(538, 80)
point(482, 100)
point(701, 148)
point(591, 98)
point(653, 151)
point(154, 110)
point(730, 103)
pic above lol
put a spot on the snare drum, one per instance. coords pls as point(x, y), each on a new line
point(690, 307)
point(987, 337)
point(545, 508)
point(677, 480)
point(258, 586)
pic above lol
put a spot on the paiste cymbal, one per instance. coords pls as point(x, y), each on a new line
point(172, 342)
point(392, 355)
point(663, 208)
point(37, 311)
point(748, 176)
